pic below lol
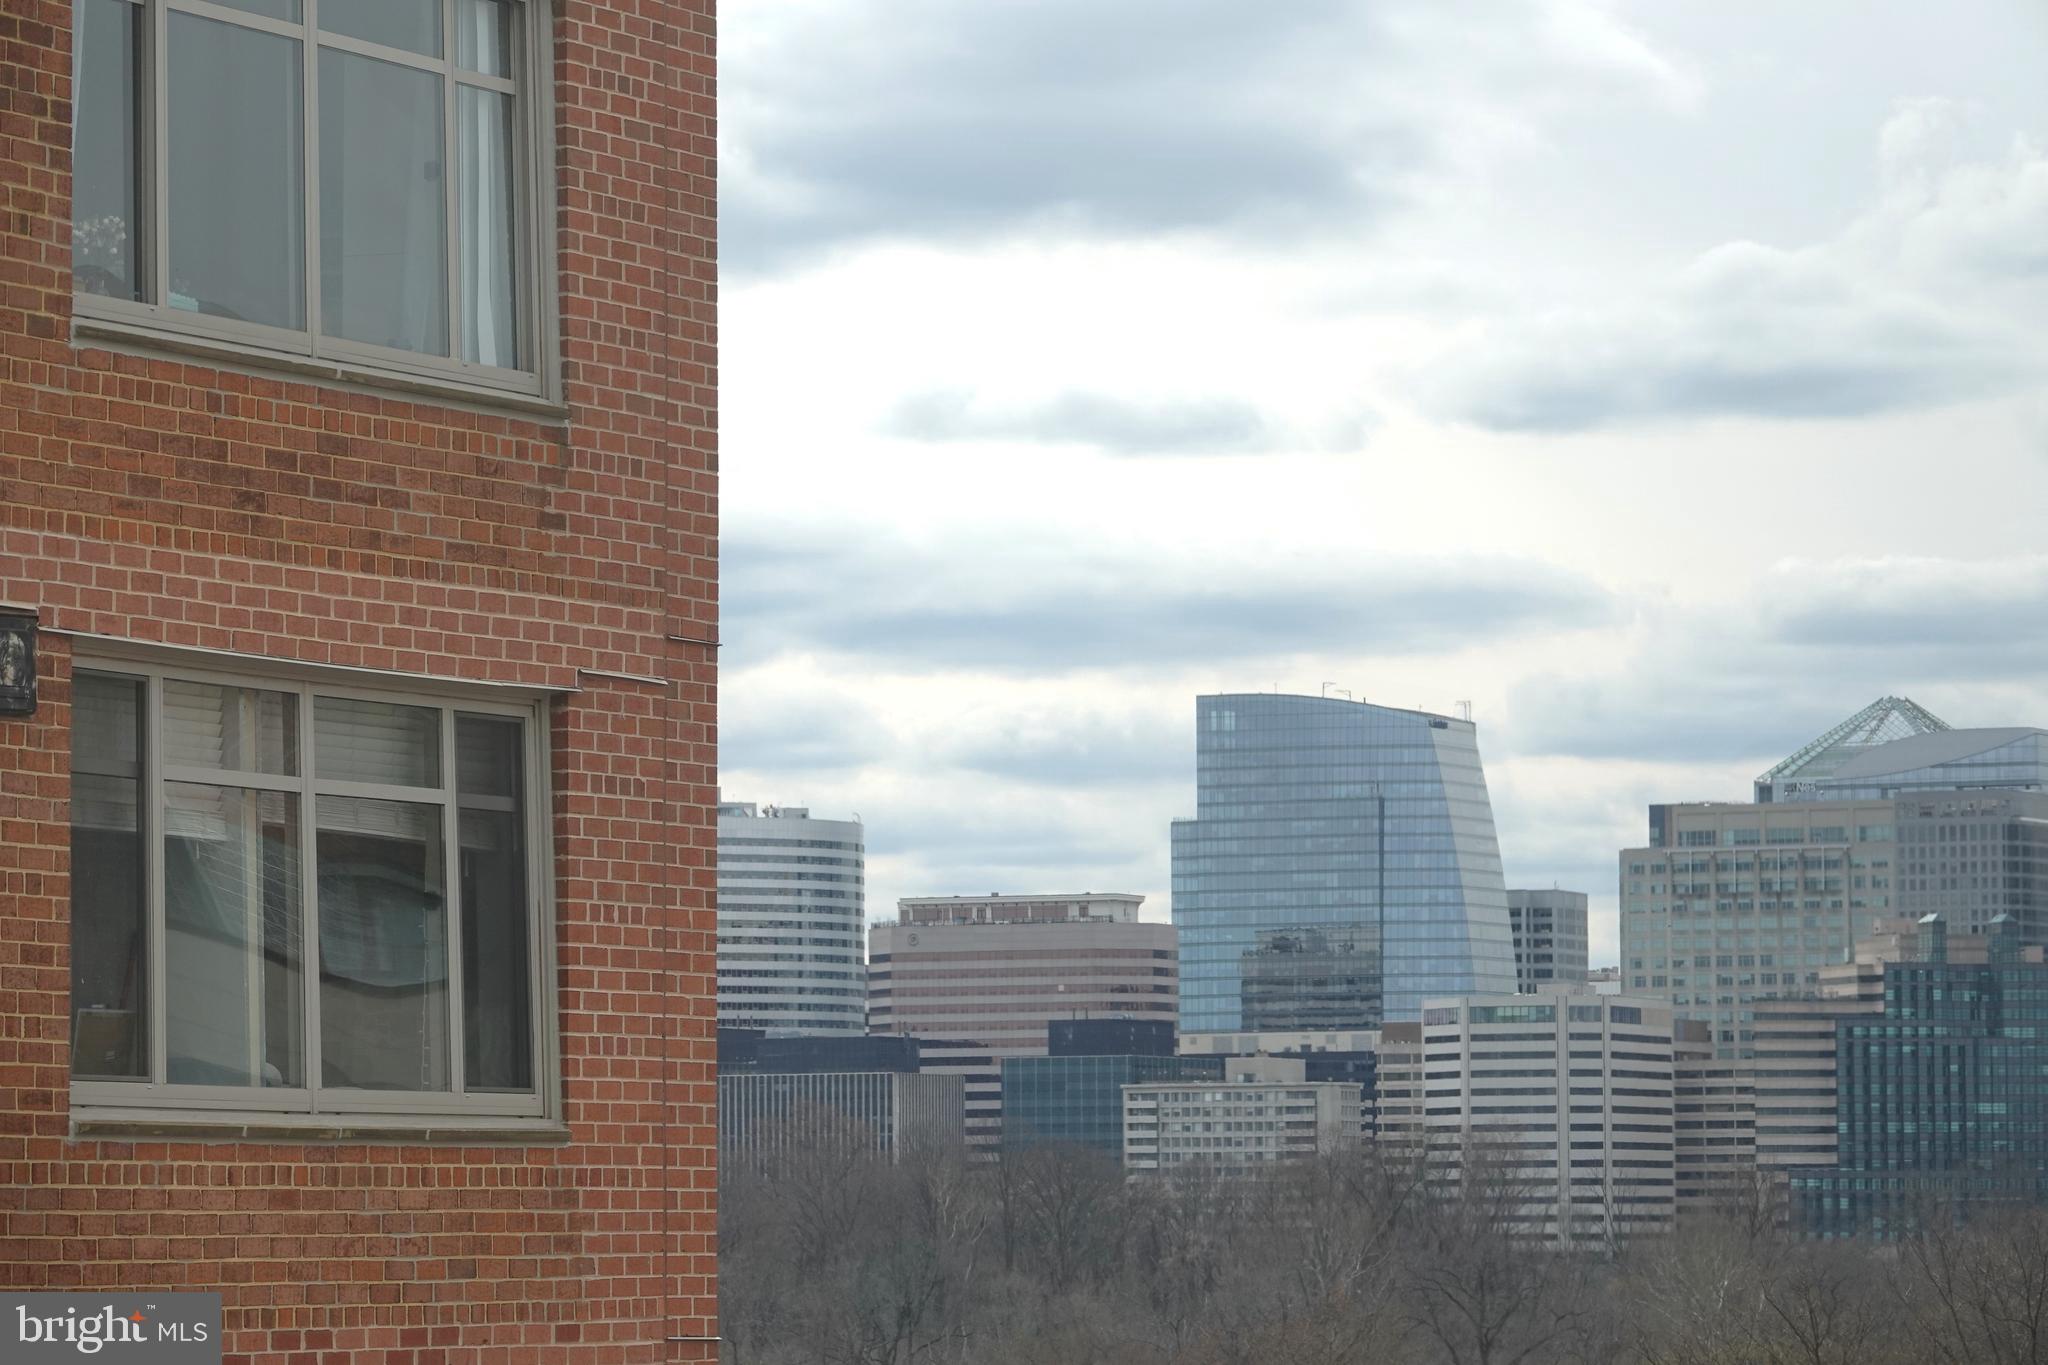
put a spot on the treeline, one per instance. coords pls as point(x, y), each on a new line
point(1050, 1257)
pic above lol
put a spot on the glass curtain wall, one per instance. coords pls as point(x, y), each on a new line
point(1342, 864)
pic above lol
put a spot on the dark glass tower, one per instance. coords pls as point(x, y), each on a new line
point(1341, 865)
point(1943, 1099)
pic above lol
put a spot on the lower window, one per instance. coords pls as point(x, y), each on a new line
point(296, 898)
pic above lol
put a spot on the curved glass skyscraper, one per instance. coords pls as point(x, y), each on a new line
point(1341, 865)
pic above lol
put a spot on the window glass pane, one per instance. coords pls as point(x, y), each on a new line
point(414, 25)
point(232, 937)
point(376, 741)
point(497, 1021)
point(109, 999)
point(383, 946)
point(237, 230)
point(106, 234)
point(240, 729)
point(483, 36)
point(485, 198)
point(288, 10)
point(383, 204)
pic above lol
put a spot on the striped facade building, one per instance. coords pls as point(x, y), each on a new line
point(791, 906)
point(889, 1112)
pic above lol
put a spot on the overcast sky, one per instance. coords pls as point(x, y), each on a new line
point(1665, 380)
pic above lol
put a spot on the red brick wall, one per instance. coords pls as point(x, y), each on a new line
point(157, 499)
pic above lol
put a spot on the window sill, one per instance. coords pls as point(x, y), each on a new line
point(229, 1126)
point(129, 338)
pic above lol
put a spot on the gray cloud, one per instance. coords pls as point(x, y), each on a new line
point(1734, 708)
point(1023, 608)
point(1821, 641)
point(1746, 332)
point(1194, 426)
point(1155, 115)
point(764, 728)
point(930, 120)
point(1945, 618)
point(1073, 751)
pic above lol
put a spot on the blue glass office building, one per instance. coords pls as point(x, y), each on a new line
point(1341, 866)
point(1943, 1099)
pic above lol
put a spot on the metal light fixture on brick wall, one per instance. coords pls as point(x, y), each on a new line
point(17, 664)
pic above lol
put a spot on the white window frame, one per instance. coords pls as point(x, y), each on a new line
point(157, 325)
point(313, 1102)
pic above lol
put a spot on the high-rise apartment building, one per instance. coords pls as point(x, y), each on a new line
point(791, 921)
point(998, 969)
point(1341, 865)
point(358, 541)
point(1549, 929)
point(1567, 1096)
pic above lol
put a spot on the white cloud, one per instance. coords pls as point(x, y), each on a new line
point(1930, 298)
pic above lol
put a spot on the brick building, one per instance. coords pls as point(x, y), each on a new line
point(357, 482)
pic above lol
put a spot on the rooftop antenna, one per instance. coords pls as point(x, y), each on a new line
point(1345, 690)
point(1465, 710)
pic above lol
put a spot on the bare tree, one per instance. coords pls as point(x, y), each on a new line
point(1826, 1308)
point(1978, 1290)
point(1068, 1201)
point(1483, 1285)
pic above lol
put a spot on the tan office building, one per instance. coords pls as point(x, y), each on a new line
point(999, 969)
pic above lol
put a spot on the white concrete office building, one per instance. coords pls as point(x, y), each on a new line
point(1571, 1094)
point(791, 909)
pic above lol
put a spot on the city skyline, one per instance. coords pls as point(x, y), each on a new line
point(1146, 359)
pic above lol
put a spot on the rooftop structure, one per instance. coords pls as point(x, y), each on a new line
point(994, 908)
point(1883, 721)
point(2009, 758)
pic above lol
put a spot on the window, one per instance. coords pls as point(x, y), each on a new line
point(347, 184)
point(298, 898)
point(1513, 1014)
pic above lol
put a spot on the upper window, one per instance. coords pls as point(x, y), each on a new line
point(349, 182)
point(288, 898)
